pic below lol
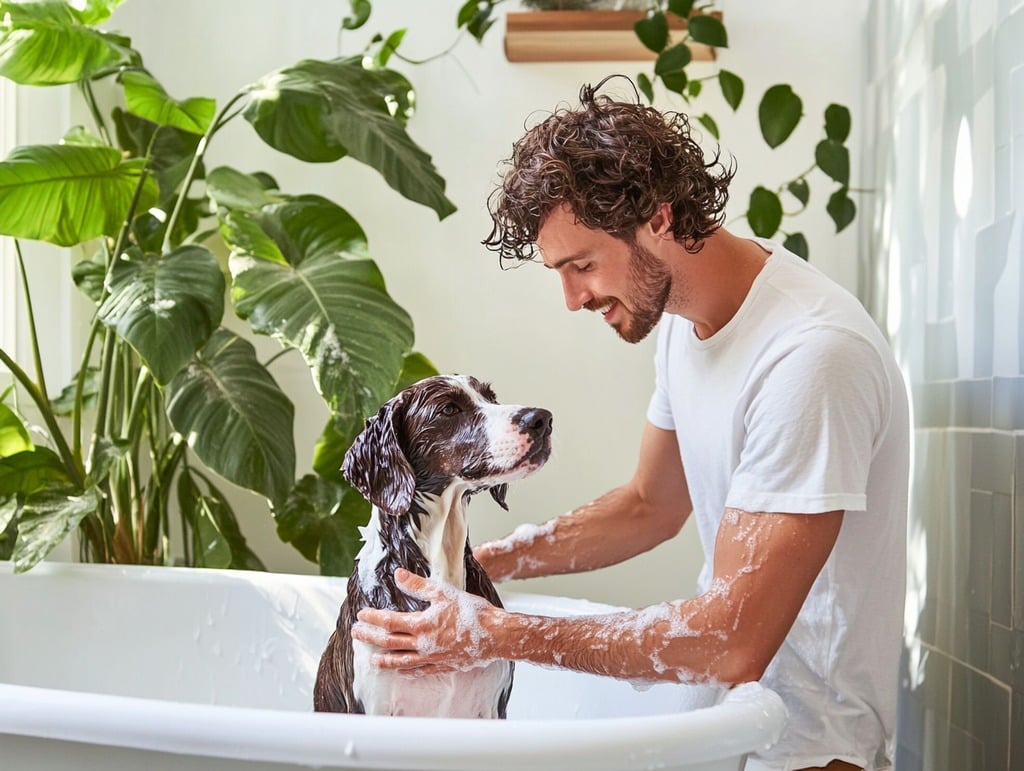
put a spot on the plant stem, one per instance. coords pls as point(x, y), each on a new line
point(90, 100)
point(74, 471)
point(36, 354)
point(215, 126)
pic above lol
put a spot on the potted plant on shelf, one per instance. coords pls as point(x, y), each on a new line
point(167, 401)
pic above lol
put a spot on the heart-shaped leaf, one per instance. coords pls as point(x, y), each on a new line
point(147, 99)
point(765, 212)
point(672, 59)
point(779, 113)
point(841, 208)
point(834, 159)
point(681, 8)
point(837, 122)
point(165, 306)
point(797, 243)
point(732, 88)
point(800, 190)
point(652, 31)
point(709, 123)
point(235, 417)
point(50, 192)
point(293, 281)
point(321, 111)
point(708, 30)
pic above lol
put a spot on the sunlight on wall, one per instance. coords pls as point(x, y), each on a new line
point(963, 170)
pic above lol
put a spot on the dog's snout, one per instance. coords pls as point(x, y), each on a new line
point(534, 421)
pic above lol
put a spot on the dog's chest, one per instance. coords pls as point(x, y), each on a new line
point(469, 694)
point(473, 693)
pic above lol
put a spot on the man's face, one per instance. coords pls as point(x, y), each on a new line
point(626, 283)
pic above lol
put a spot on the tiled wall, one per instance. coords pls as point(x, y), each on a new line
point(945, 133)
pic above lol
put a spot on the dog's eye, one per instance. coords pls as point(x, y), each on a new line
point(451, 408)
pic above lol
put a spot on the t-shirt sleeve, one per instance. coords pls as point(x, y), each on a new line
point(813, 417)
point(659, 411)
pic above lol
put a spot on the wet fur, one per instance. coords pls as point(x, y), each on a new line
point(393, 463)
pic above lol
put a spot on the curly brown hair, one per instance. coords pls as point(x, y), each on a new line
point(614, 163)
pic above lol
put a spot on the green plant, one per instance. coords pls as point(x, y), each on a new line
point(167, 401)
point(780, 110)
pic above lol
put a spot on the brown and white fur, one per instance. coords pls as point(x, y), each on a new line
point(418, 461)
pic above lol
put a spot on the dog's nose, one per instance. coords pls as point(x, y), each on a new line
point(535, 421)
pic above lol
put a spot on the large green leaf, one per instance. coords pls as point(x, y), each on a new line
point(165, 306)
point(232, 189)
point(652, 31)
point(321, 111)
point(49, 43)
point(779, 113)
point(45, 520)
point(291, 281)
point(235, 417)
point(67, 194)
point(169, 150)
point(321, 518)
point(31, 470)
point(14, 436)
point(147, 99)
point(339, 432)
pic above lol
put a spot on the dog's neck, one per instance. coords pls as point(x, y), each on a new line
point(438, 529)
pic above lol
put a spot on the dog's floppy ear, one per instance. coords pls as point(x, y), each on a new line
point(376, 465)
point(498, 493)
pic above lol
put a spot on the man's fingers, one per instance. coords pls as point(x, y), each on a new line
point(382, 638)
point(410, 662)
point(389, 620)
point(417, 586)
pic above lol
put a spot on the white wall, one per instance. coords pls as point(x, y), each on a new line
point(509, 327)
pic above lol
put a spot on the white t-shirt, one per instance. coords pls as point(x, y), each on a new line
point(797, 405)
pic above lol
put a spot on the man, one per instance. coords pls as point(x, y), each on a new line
point(779, 418)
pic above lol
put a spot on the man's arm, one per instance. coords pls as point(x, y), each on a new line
point(629, 520)
point(765, 565)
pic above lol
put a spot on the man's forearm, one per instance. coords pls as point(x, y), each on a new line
point(671, 642)
point(609, 530)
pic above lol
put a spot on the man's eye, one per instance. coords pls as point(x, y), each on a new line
point(450, 409)
point(584, 268)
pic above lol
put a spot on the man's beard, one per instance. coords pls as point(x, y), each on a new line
point(652, 283)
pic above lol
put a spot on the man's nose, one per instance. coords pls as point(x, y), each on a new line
point(576, 296)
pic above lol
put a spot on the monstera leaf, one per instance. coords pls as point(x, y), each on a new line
point(321, 518)
point(67, 194)
point(321, 111)
point(235, 417)
point(165, 306)
point(293, 280)
point(50, 43)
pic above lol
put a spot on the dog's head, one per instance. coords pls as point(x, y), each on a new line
point(443, 429)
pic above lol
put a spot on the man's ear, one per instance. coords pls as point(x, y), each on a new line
point(661, 223)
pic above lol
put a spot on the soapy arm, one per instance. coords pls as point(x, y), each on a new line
point(629, 520)
point(765, 564)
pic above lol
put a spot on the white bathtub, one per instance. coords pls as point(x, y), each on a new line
point(154, 669)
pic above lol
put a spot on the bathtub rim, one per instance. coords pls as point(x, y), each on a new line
point(354, 741)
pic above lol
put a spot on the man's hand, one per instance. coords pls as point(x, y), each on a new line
point(452, 634)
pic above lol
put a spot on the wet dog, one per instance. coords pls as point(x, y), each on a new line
point(419, 461)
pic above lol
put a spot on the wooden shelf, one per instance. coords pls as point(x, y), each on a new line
point(584, 36)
